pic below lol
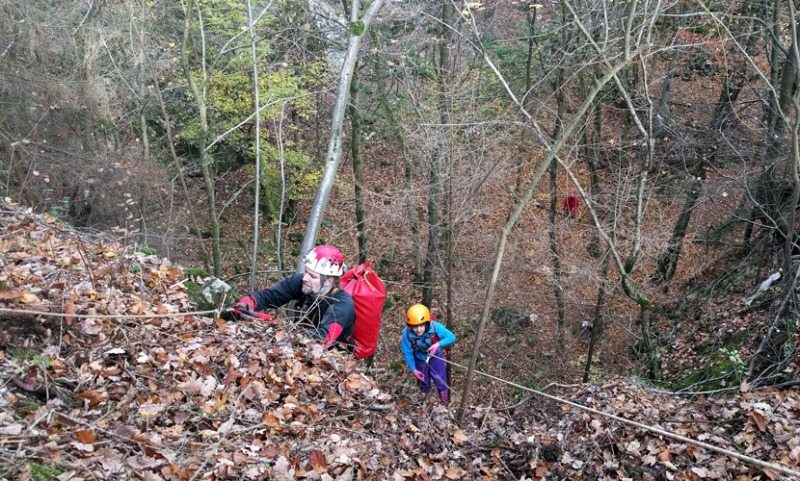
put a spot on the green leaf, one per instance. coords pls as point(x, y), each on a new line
point(357, 28)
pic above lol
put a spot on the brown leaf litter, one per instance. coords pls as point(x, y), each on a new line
point(123, 381)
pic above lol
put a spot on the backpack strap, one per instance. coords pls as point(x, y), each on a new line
point(412, 340)
point(435, 338)
point(432, 336)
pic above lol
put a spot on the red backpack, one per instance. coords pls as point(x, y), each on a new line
point(368, 293)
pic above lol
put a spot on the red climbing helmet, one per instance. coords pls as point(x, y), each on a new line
point(326, 260)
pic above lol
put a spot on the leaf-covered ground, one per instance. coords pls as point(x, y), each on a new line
point(124, 381)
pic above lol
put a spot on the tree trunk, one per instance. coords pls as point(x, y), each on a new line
point(668, 259)
point(358, 168)
point(531, 15)
point(777, 350)
point(558, 282)
point(257, 122)
point(357, 28)
point(439, 158)
point(395, 130)
point(594, 149)
point(450, 232)
point(142, 117)
point(179, 170)
point(662, 120)
point(206, 162)
point(598, 323)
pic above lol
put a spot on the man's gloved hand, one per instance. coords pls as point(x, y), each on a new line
point(434, 348)
point(245, 309)
point(418, 374)
point(247, 302)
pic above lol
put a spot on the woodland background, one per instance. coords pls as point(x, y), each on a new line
point(465, 126)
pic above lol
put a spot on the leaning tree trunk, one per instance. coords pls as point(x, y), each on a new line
point(514, 217)
point(357, 28)
point(668, 259)
point(733, 83)
point(168, 137)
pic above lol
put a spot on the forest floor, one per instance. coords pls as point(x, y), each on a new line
point(123, 381)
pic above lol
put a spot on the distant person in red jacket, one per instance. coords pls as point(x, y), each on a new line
point(571, 204)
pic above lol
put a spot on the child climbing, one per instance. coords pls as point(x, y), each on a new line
point(422, 344)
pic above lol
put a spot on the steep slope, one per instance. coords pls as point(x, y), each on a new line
point(109, 374)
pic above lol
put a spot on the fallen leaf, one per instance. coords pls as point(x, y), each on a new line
point(192, 387)
point(12, 429)
point(454, 472)
point(459, 437)
point(8, 295)
point(759, 419)
point(27, 298)
point(86, 436)
point(318, 461)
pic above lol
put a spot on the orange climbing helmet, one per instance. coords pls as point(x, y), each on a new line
point(417, 314)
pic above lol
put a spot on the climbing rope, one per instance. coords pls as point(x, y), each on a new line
point(102, 316)
point(433, 371)
point(652, 429)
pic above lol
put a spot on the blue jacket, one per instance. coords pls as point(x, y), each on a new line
point(320, 313)
point(416, 347)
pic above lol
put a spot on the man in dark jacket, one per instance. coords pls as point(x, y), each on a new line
point(326, 310)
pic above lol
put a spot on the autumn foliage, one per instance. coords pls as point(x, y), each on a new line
point(108, 374)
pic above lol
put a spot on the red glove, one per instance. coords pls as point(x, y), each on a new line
point(246, 309)
point(243, 313)
point(248, 302)
point(418, 374)
point(334, 331)
point(433, 348)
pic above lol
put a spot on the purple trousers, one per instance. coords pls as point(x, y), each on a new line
point(437, 370)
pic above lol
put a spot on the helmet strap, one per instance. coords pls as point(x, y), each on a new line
point(323, 289)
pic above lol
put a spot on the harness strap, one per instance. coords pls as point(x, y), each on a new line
point(433, 337)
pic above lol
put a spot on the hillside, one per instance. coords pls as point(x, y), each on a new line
point(109, 374)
